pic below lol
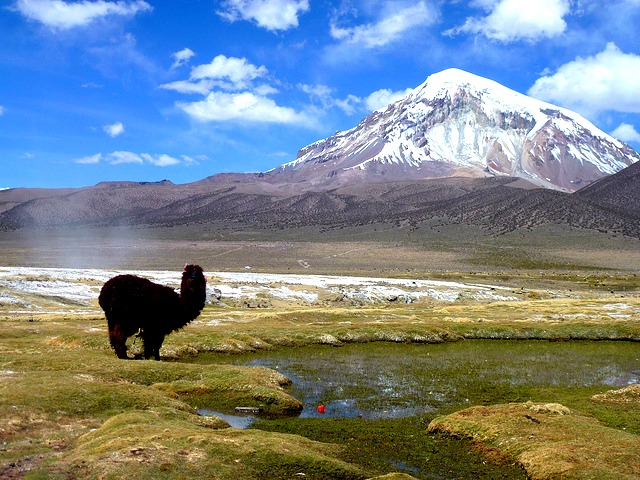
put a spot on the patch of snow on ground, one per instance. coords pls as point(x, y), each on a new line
point(6, 374)
point(82, 286)
point(73, 291)
point(620, 310)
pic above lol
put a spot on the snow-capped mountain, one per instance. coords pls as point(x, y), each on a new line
point(460, 124)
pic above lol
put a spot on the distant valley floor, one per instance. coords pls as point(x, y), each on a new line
point(378, 250)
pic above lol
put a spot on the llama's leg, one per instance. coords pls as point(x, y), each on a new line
point(152, 344)
point(156, 350)
point(118, 340)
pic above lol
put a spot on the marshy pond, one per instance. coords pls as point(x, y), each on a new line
point(379, 398)
point(388, 380)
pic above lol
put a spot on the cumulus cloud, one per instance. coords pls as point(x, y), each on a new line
point(626, 133)
point(124, 157)
point(181, 57)
point(393, 24)
point(382, 98)
point(227, 83)
point(237, 72)
point(608, 81)
point(114, 130)
point(62, 15)
point(245, 106)
point(513, 20)
point(273, 15)
point(229, 73)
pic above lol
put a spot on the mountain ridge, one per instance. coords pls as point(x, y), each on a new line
point(498, 204)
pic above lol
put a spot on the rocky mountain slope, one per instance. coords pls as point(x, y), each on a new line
point(620, 192)
point(459, 124)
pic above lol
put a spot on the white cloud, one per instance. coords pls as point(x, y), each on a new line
point(608, 81)
point(323, 95)
point(188, 160)
point(319, 93)
point(238, 71)
point(227, 84)
point(161, 160)
point(117, 158)
point(242, 106)
point(626, 133)
point(229, 73)
point(114, 130)
point(91, 159)
point(265, 90)
point(349, 104)
point(1, 110)
point(382, 98)
point(62, 15)
point(181, 57)
point(122, 157)
point(395, 22)
point(512, 20)
point(270, 14)
point(203, 87)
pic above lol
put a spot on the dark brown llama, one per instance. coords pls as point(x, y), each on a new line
point(133, 304)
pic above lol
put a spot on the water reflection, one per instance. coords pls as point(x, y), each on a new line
point(236, 421)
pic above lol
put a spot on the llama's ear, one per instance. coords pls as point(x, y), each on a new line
point(185, 267)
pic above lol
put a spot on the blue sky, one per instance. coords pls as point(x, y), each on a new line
point(139, 90)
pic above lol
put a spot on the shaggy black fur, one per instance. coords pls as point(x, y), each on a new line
point(133, 304)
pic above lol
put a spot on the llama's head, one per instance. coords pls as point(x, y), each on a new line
point(193, 289)
point(193, 275)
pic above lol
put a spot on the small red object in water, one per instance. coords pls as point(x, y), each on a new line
point(320, 408)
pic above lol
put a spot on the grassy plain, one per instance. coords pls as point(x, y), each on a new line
point(70, 409)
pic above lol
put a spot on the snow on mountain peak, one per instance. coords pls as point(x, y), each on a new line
point(457, 123)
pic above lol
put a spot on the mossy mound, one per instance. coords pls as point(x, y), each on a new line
point(548, 440)
point(164, 443)
point(228, 386)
